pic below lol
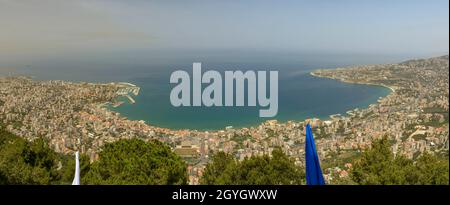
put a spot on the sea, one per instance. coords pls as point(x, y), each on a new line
point(301, 95)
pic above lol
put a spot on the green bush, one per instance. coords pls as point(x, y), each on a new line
point(23, 162)
point(137, 162)
point(378, 166)
point(262, 170)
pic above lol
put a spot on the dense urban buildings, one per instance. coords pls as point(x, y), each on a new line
point(75, 117)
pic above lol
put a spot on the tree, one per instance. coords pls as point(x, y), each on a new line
point(261, 170)
point(216, 168)
point(23, 162)
point(378, 165)
point(137, 162)
point(68, 169)
point(123, 162)
point(432, 170)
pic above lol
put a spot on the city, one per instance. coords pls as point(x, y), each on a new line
point(74, 117)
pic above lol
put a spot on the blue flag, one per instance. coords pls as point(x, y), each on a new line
point(313, 172)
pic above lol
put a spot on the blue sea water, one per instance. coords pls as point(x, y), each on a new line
point(301, 95)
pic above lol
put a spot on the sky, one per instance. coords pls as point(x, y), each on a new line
point(38, 28)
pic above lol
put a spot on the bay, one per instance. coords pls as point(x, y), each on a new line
point(301, 95)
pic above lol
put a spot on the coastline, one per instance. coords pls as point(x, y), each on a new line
point(312, 73)
point(83, 102)
point(128, 89)
point(256, 124)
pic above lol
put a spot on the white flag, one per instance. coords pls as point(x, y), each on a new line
point(76, 179)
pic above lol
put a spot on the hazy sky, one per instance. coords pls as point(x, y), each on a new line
point(44, 27)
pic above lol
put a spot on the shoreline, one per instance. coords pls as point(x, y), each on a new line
point(351, 82)
point(322, 118)
point(312, 73)
point(353, 125)
point(128, 85)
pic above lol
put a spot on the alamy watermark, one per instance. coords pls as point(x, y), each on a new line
point(212, 94)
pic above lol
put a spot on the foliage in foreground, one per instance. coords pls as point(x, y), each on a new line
point(122, 162)
point(137, 162)
point(379, 166)
point(261, 170)
point(23, 162)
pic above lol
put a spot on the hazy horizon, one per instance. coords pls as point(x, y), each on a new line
point(50, 29)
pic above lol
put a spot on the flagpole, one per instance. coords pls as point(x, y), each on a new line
point(314, 174)
point(76, 179)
